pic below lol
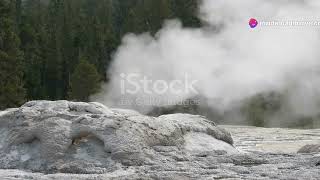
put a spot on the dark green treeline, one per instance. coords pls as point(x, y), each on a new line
point(61, 49)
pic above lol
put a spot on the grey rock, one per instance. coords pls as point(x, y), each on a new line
point(89, 138)
point(312, 148)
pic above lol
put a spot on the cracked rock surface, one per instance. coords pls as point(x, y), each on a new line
point(74, 140)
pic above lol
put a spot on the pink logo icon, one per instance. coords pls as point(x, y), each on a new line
point(253, 23)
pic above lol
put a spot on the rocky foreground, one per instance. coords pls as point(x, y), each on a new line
point(68, 140)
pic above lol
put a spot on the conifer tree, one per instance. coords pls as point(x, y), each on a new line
point(12, 92)
point(84, 81)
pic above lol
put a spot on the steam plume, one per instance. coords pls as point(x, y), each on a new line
point(230, 60)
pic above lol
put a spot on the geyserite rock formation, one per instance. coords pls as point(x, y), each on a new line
point(75, 137)
point(88, 141)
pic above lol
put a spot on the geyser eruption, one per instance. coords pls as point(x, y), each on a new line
point(230, 61)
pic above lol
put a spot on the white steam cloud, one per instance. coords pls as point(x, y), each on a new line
point(230, 60)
